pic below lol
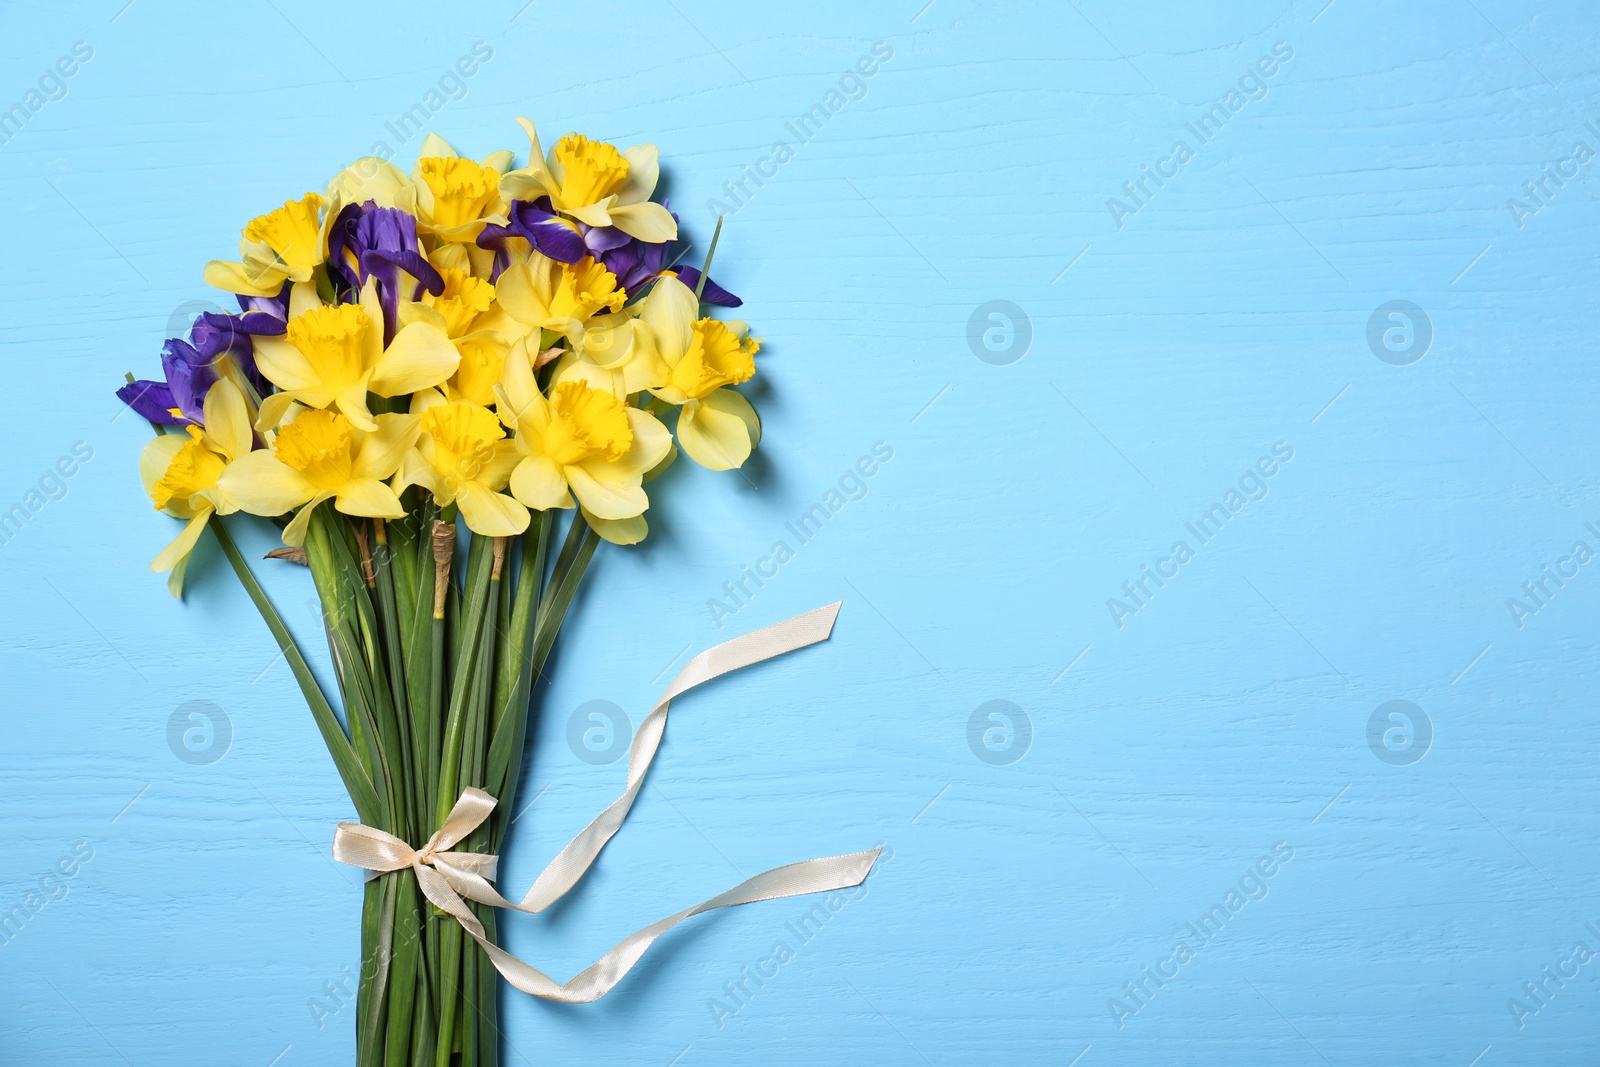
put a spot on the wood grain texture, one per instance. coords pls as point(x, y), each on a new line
point(1169, 754)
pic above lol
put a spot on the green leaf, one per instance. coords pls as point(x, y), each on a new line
point(356, 781)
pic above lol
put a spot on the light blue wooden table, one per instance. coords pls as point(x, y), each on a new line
point(1196, 500)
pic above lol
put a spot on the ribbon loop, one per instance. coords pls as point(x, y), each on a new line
point(449, 879)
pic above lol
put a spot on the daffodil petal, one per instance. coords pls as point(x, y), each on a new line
point(284, 365)
point(515, 294)
point(596, 214)
point(644, 170)
point(175, 576)
point(294, 534)
point(495, 472)
point(713, 433)
point(735, 403)
point(302, 298)
point(246, 281)
point(620, 531)
point(274, 406)
point(436, 147)
point(605, 491)
point(490, 514)
point(353, 403)
point(157, 456)
point(378, 453)
point(420, 357)
point(652, 442)
point(518, 397)
point(416, 470)
point(368, 497)
point(228, 419)
point(647, 221)
point(670, 311)
point(537, 482)
point(262, 484)
point(183, 544)
point(371, 178)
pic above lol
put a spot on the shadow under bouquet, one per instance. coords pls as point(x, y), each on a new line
point(477, 346)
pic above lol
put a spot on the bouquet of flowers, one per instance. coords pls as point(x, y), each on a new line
point(474, 345)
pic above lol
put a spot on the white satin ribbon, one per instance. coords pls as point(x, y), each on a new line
point(446, 876)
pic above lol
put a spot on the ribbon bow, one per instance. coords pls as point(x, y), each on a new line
point(446, 877)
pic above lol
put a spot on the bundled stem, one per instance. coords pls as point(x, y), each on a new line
point(436, 677)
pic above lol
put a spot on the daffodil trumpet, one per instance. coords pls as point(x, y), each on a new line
point(447, 385)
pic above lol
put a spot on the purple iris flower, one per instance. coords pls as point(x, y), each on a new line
point(190, 369)
point(536, 223)
point(266, 315)
point(368, 241)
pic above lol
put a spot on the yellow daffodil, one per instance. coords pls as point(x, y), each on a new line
point(594, 183)
point(463, 457)
point(581, 442)
point(285, 244)
point(333, 356)
point(323, 455)
point(455, 196)
point(182, 473)
point(560, 297)
point(717, 427)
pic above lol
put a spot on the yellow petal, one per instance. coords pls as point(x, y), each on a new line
point(373, 306)
point(714, 431)
point(537, 482)
point(175, 577)
point(735, 403)
point(518, 395)
point(522, 185)
point(157, 456)
point(426, 399)
point(605, 491)
point(294, 534)
point(596, 214)
point(420, 357)
point(644, 170)
point(284, 365)
point(532, 181)
point(408, 312)
point(516, 295)
point(262, 484)
point(495, 472)
point(353, 403)
point(274, 406)
point(416, 470)
point(368, 497)
point(246, 281)
point(670, 311)
point(619, 531)
point(490, 514)
point(302, 298)
point(651, 443)
point(183, 544)
point(371, 178)
point(378, 453)
point(647, 221)
point(228, 419)
point(437, 147)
